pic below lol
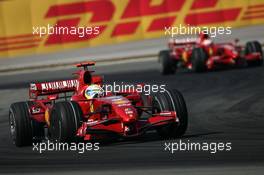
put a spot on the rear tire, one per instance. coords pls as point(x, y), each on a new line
point(168, 66)
point(172, 100)
point(198, 59)
point(20, 124)
point(65, 120)
point(251, 47)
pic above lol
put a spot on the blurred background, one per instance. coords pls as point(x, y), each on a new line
point(127, 28)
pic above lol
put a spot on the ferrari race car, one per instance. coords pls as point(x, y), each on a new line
point(70, 110)
point(202, 55)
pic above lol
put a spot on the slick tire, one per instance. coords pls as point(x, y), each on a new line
point(65, 119)
point(145, 102)
point(251, 47)
point(168, 66)
point(198, 60)
point(172, 100)
point(22, 128)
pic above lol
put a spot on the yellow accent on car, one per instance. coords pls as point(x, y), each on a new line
point(47, 117)
point(211, 52)
point(185, 56)
point(91, 107)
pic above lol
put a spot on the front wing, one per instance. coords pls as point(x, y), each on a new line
point(115, 126)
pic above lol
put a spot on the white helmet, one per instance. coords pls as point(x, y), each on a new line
point(207, 42)
point(93, 91)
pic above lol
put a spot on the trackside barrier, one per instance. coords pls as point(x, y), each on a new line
point(110, 21)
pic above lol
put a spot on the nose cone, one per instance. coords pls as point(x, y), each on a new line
point(122, 108)
point(127, 113)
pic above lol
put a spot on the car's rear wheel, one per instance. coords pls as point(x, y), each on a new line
point(65, 119)
point(171, 100)
point(198, 59)
point(22, 128)
point(168, 65)
point(254, 47)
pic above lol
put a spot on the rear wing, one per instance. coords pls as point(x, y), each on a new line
point(63, 86)
point(180, 42)
point(49, 88)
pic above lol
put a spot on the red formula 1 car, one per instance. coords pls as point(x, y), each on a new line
point(203, 54)
point(80, 108)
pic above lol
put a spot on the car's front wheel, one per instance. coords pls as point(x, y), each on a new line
point(65, 119)
point(171, 100)
point(168, 65)
point(254, 47)
point(198, 59)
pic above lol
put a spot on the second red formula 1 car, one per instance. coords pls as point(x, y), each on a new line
point(80, 108)
point(203, 54)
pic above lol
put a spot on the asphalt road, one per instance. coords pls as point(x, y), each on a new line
point(224, 106)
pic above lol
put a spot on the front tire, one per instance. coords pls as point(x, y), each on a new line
point(252, 47)
point(172, 100)
point(198, 59)
point(65, 120)
point(168, 66)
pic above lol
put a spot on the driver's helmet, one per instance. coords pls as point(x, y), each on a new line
point(205, 39)
point(93, 91)
point(204, 36)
